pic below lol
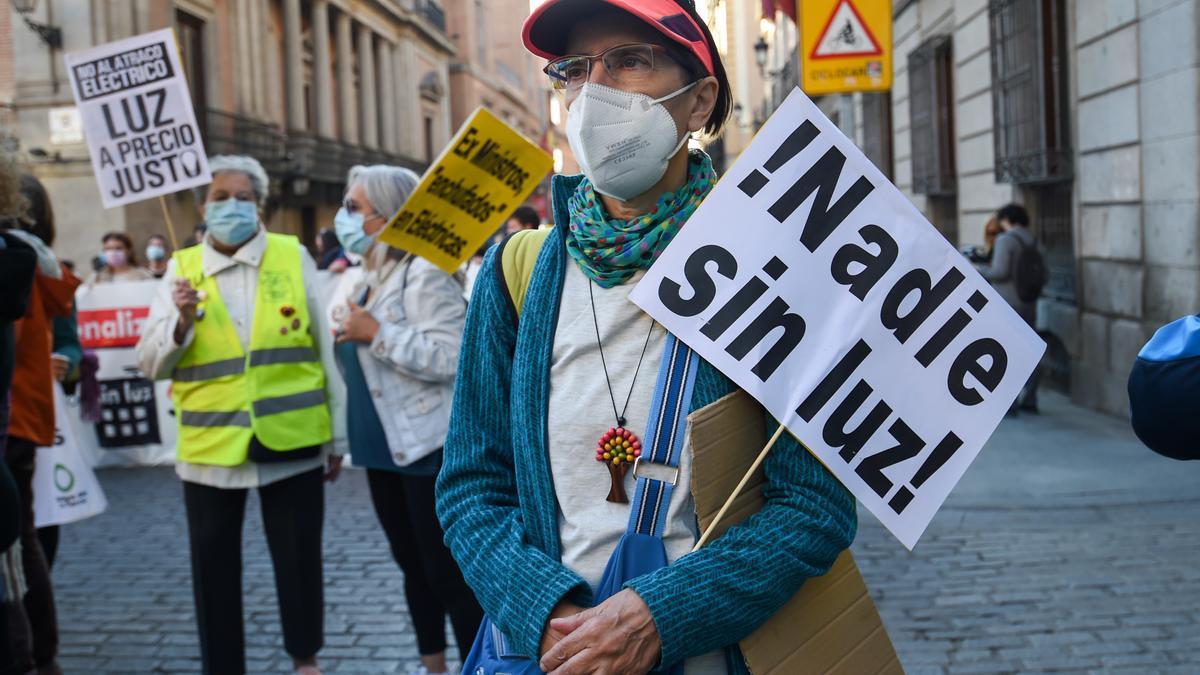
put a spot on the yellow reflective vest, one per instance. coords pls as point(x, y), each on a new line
point(225, 396)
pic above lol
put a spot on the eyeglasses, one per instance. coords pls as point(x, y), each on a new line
point(352, 207)
point(629, 65)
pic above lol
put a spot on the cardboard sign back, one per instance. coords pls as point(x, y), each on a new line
point(831, 625)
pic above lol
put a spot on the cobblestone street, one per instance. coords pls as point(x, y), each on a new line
point(1066, 547)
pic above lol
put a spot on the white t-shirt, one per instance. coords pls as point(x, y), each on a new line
point(581, 412)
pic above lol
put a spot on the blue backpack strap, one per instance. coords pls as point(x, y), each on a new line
point(664, 437)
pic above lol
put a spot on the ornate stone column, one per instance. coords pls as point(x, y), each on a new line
point(322, 83)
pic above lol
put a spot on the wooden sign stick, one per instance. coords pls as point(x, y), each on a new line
point(762, 456)
point(162, 201)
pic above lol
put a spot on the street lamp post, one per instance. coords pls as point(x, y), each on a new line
point(760, 53)
point(51, 35)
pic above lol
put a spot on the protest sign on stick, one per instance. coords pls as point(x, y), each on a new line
point(138, 118)
point(815, 285)
point(487, 171)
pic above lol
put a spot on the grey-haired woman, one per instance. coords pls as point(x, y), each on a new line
point(397, 347)
point(239, 328)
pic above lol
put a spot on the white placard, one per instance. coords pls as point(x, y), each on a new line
point(136, 425)
point(138, 118)
point(816, 286)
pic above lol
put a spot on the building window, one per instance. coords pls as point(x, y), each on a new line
point(191, 48)
point(1029, 90)
point(877, 130)
point(931, 109)
point(1050, 207)
point(428, 139)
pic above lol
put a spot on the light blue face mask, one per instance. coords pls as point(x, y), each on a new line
point(349, 229)
point(232, 221)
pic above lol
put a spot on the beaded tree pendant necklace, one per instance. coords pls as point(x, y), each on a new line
point(618, 447)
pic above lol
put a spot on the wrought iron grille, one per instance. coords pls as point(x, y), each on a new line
point(1052, 224)
point(877, 130)
point(1029, 91)
point(931, 109)
point(230, 133)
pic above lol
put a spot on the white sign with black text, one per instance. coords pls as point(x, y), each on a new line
point(816, 285)
point(138, 118)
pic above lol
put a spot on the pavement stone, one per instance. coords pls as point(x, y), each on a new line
point(1066, 547)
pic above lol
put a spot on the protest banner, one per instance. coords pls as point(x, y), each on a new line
point(485, 173)
point(138, 118)
point(65, 489)
point(815, 285)
point(136, 425)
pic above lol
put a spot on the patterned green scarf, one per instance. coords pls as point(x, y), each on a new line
point(611, 251)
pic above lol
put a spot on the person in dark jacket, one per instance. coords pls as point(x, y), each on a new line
point(1015, 238)
point(18, 265)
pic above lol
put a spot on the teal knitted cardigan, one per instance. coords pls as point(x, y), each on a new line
point(497, 504)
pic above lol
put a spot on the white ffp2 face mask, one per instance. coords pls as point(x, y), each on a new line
point(622, 140)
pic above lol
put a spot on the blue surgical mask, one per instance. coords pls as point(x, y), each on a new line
point(155, 252)
point(349, 229)
point(232, 221)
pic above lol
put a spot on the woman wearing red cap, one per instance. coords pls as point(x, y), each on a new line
point(565, 493)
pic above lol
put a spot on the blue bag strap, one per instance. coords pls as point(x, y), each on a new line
point(664, 437)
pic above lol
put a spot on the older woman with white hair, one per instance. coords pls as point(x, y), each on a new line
point(238, 327)
point(397, 346)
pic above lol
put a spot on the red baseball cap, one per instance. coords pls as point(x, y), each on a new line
point(546, 29)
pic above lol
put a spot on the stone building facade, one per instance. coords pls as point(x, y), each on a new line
point(1085, 111)
point(309, 87)
point(493, 69)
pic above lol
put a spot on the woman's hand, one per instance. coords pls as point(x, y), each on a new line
point(617, 636)
point(185, 298)
point(333, 468)
point(551, 636)
point(358, 326)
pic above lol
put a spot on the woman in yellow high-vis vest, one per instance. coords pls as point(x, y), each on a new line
point(238, 327)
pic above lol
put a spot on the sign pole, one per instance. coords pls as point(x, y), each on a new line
point(762, 456)
point(162, 201)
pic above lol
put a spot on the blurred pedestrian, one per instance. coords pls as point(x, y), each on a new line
point(983, 253)
point(120, 261)
point(157, 255)
point(18, 265)
point(398, 348)
point(65, 357)
point(330, 255)
point(238, 327)
point(558, 370)
point(31, 422)
point(1014, 264)
point(524, 218)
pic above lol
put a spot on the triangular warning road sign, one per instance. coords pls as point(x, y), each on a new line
point(846, 34)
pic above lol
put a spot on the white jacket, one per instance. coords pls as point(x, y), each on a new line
point(410, 365)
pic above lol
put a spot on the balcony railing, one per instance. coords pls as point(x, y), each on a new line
point(295, 154)
point(433, 13)
point(232, 134)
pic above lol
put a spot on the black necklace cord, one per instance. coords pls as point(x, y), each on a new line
point(620, 416)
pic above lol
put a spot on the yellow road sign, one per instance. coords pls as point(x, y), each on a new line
point(486, 172)
point(845, 46)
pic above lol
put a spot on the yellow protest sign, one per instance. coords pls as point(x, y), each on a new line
point(487, 171)
point(845, 46)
